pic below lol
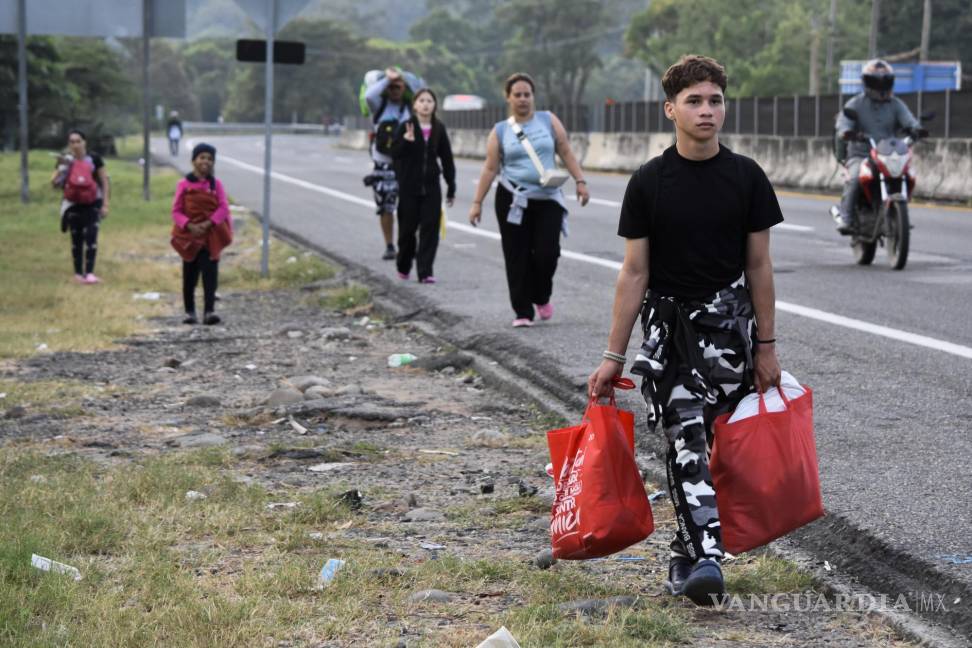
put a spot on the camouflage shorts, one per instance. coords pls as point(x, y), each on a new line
point(385, 188)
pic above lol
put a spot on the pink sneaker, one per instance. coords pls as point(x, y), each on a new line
point(545, 311)
point(90, 278)
point(79, 279)
point(427, 280)
point(521, 322)
point(403, 276)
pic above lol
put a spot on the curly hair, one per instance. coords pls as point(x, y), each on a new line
point(692, 69)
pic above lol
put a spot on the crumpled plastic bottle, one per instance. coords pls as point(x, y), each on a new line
point(401, 359)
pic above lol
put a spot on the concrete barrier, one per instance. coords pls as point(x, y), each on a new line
point(944, 167)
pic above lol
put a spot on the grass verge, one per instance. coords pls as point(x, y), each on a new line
point(41, 309)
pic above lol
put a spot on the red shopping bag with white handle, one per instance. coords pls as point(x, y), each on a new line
point(765, 473)
point(600, 506)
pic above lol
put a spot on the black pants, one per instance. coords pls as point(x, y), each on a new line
point(84, 223)
point(531, 250)
point(191, 270)
point(418, 218)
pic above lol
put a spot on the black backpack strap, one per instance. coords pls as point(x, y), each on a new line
point(381, 109)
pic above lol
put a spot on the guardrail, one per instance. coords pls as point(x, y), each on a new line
point(249, 127)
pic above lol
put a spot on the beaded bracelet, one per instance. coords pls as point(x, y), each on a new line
point(617, 357)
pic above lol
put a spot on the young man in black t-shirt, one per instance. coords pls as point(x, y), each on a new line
point(697, 267)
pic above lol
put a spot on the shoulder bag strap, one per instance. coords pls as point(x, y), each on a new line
point(527, 146)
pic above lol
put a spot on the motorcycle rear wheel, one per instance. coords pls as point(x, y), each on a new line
point(863, 251)
point(899, 234)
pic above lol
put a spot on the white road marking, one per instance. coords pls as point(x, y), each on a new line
point(794, 228)
point(787, 307)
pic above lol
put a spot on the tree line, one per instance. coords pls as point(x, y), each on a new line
point(578, 50)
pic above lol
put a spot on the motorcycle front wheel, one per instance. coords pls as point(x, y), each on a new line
point(863, 251)
point(899, 234)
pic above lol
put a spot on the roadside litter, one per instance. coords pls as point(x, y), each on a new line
point(500, 639)
point(48, 565)
point(281, 505)
point(401, 359)
point(328, 571)
point(441, 452)
point(298, 428)
point(192, 496)
point(147, 296)
point(431, 546)
point(656, 496)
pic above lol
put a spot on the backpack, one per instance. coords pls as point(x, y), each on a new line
point(385, 136)
point(80, 186)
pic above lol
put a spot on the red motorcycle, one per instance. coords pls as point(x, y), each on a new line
point(887, 183)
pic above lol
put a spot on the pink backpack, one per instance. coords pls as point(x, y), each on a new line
point(80, 186)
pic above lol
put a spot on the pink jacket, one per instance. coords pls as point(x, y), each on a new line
point(190, 182)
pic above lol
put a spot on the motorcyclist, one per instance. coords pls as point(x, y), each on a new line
point(880, 115)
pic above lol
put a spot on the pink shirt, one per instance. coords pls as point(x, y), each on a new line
point(222, 212)
point(426, 131)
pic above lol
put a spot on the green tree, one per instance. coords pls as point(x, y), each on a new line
point(900, 30)
point(103, 97)
point(556, 43)
point(764, 44)
point(209, 65)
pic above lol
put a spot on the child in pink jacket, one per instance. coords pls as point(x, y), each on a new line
point(201, 228)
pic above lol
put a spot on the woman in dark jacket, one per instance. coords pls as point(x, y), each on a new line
point(420, 144)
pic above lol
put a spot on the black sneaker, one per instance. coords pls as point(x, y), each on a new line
point(389, 254)
point(190, 319)
point(211, 318)
point(705, 585)
point(679, 568)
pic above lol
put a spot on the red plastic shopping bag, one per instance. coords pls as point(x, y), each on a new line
point(600, 505)
point(765, 473)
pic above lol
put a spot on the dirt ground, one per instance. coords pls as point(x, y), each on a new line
point(441, 472)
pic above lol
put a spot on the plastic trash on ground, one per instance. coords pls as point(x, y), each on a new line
point(195, 495)
point(401, 359)
point(500, 639)
point(749, 406)
point(48, 565)
point(328, 571)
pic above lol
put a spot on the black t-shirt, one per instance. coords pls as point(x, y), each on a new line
point(697, 216)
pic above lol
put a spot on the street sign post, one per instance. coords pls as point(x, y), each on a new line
point(271, 15)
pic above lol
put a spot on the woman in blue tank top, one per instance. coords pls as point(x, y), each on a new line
point(531, 216)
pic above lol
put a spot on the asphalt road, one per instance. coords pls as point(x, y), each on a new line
point(888, 354)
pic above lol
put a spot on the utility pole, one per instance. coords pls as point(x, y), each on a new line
point(872, 36)
point(926, 17)
point(267, 137)
point(146, 151)
point(22, 96)
point(814, 57)
point(831, 35)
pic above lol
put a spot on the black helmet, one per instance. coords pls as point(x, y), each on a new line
point(878, 79)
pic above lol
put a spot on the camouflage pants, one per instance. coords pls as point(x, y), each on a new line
point(385, 189)
point(699, 385)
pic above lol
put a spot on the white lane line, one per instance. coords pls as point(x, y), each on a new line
point(794, 228)
point(787, 307)
point(876, 329)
